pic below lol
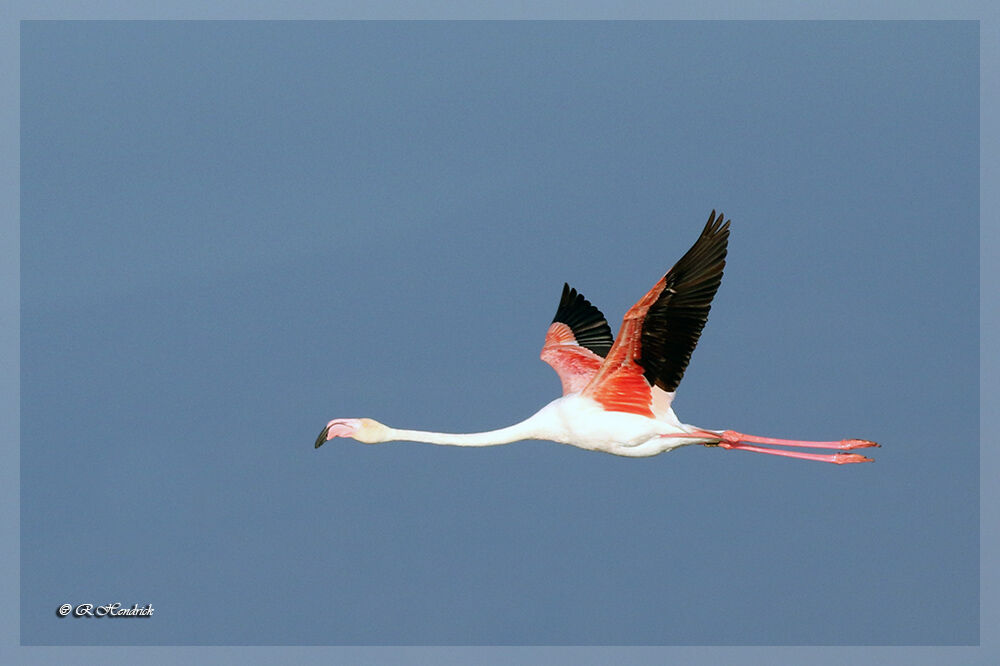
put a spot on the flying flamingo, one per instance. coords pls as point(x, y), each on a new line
point(617, 393)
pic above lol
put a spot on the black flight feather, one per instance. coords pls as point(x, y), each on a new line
point(587, 323)
point(674, 322)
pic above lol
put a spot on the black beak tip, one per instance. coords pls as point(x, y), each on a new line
point(322, 437)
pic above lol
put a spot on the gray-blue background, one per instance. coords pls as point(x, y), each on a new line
point(234, 232)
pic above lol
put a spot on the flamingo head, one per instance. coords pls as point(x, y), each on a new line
point(368, 431)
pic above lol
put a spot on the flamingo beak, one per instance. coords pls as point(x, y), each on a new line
point(321, 440)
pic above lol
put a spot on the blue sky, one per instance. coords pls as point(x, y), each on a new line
point(232, 232)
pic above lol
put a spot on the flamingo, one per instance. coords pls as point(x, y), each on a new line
point(617, 394)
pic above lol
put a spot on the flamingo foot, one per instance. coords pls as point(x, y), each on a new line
point(857, 444)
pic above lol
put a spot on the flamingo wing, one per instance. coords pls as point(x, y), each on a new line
point(658, 334)
point(577, 341)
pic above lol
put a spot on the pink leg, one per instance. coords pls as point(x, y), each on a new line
point(733, 437)
point(837, 458)
point(730, 439)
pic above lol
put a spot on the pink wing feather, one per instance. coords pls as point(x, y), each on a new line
point(577, 341)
